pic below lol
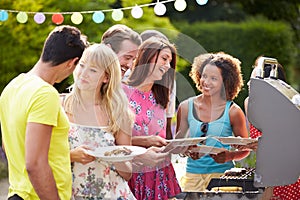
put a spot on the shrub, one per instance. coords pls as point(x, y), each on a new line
point(246, 41)
point(3, 170)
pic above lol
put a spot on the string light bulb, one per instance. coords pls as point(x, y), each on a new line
point(3, 15)
point(137, 12)
point(76, 18)
point(117, 14)
point(201, 2)
point(160, 9)
point(180, 5)
point(22, 17)
point(98, 17)
point(39, 18)
point(57, 18)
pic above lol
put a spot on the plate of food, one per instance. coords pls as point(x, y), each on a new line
point(235, 171)
point(207, 149)
point(236, 140)
point(117, 153)
point(186, 141)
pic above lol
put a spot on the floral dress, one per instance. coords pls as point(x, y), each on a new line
point(150, 183)
point(98, 179)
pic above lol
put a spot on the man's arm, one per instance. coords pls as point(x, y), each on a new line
point(37, 144)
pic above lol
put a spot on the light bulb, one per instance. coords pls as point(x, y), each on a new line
point(98, 17)
point(160, 9)
point(22, 17)
point(137, 12)
point(57, 18)
point(76, 18)
point(180, 5)
point(117, 15)
point(3, 15)
point(201, 2)
point(39, 18)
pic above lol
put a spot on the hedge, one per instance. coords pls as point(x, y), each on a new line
point(245, 41)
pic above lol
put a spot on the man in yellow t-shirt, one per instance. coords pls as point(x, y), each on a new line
point(34, 126)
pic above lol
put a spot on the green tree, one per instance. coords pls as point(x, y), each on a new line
point(238, 11)
point(279, 10)
point(21, 44)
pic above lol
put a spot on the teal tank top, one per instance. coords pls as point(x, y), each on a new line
point(220, 127)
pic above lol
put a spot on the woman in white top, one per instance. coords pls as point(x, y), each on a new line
point(98, 110)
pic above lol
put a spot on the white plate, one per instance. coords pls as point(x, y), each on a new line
point(99, 153)
point(186, 141)
point(235, 140)
point(207, 149)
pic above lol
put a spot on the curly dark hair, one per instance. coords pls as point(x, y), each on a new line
point(230, 71)
point(63, 43)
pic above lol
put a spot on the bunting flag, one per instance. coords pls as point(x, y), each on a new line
point(98, 16)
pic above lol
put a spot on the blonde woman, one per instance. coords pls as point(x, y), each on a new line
point(98, 110)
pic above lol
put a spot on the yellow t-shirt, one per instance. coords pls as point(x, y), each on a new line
point(30, 99)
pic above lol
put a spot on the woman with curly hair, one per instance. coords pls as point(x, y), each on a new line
point(212, 113)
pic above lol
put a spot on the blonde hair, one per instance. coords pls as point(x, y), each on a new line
point(111, 93)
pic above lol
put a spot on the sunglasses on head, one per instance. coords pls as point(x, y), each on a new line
point(204, 128)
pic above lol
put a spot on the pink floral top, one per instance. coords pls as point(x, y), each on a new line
point(98, 179)
point(150, 116)
point(159, 182)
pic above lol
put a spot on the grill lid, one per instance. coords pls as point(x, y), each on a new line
point(272, 111)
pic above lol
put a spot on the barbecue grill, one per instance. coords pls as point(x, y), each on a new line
point(271, 109)
point(245, 181)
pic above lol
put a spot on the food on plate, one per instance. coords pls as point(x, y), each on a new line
point(235, 172)
point(227, 189)
point(231, 140)
point(119, 151)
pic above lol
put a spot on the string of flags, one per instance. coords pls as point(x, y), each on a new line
point(98, 16)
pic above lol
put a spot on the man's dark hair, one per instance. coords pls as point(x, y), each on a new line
point(63, 43)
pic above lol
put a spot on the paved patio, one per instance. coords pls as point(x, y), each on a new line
point(3, 188)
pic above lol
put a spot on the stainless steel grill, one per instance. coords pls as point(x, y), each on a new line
point(249, 173)
point(245, 181)
point(220, 196)
point(274, 110)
